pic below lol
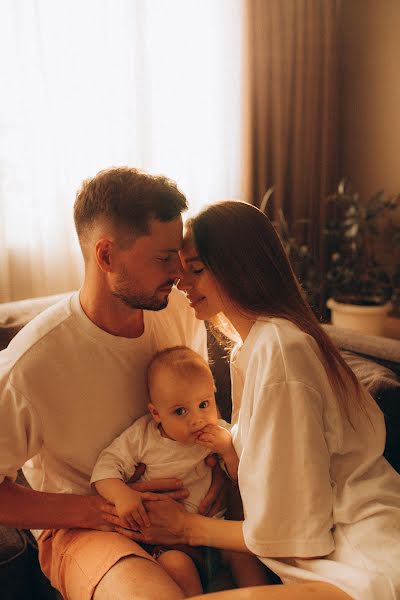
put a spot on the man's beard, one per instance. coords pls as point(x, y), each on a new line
point(140, 300)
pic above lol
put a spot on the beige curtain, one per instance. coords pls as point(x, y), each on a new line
point(153, 85)
point(291, 108)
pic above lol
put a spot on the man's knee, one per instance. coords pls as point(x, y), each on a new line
point(139, 578)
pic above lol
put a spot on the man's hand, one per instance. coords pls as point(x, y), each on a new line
point(216, 498)
point(170, 487)
point(140, 469)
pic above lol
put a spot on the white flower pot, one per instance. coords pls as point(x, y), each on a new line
point(368, 319)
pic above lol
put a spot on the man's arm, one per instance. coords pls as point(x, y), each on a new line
point(28, 509)
point(21, 438)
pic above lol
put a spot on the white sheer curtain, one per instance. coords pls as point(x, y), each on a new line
point(88, 84)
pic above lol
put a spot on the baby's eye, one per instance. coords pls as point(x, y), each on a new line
point(204, 404)
point(180, 411)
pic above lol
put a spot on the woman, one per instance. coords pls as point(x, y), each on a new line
point(320, 501)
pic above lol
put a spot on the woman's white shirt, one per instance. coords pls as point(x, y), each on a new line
point(311, 484)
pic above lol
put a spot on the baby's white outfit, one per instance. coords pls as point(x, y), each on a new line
point(142, 442)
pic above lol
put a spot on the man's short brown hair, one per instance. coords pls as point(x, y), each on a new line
point(128, 199)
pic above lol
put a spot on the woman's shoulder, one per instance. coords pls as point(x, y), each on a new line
point(282, 335)
point(281, 348)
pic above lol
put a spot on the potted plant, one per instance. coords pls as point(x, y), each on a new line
point(363, 243)
point(301, 259)
point(299, 253)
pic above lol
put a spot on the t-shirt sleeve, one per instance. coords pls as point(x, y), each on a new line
point(120, 458)
point(20, 432)
point(284, 474)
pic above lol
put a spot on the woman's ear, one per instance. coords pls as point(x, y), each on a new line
point(104, 254)
point(154, 412)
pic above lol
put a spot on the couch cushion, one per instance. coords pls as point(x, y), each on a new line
point(382, 350)
point(384, 385)
point(378, 379)
point(15, 569)
point(12, 544)
point(7, 334)
point(14, 315)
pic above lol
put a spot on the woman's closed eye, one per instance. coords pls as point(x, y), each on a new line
point(194, 266)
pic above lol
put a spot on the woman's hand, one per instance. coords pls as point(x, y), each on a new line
point(168, 523)
point(130, 508)
point(172, 487)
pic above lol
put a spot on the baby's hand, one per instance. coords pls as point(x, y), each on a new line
point(130, 507)
point(216, 438)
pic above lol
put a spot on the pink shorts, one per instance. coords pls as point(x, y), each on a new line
point(75, 560)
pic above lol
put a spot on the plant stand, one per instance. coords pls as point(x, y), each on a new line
point(368, 319)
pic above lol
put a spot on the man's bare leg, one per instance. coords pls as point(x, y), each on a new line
point(139, 578)
point(182, 570)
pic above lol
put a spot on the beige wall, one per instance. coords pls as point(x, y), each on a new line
point(370, 95)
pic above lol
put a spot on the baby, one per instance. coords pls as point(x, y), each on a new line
point(181, 430)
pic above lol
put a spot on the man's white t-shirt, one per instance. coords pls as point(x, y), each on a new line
point(311, 485)
point(68, 388)
point(142, 442)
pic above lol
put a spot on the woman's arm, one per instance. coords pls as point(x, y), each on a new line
point(217, 533)
point(232, 464)
point(172, 524)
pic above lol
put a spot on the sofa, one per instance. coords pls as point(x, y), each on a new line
point(375, 360)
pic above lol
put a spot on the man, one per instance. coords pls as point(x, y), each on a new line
point(74, 378)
